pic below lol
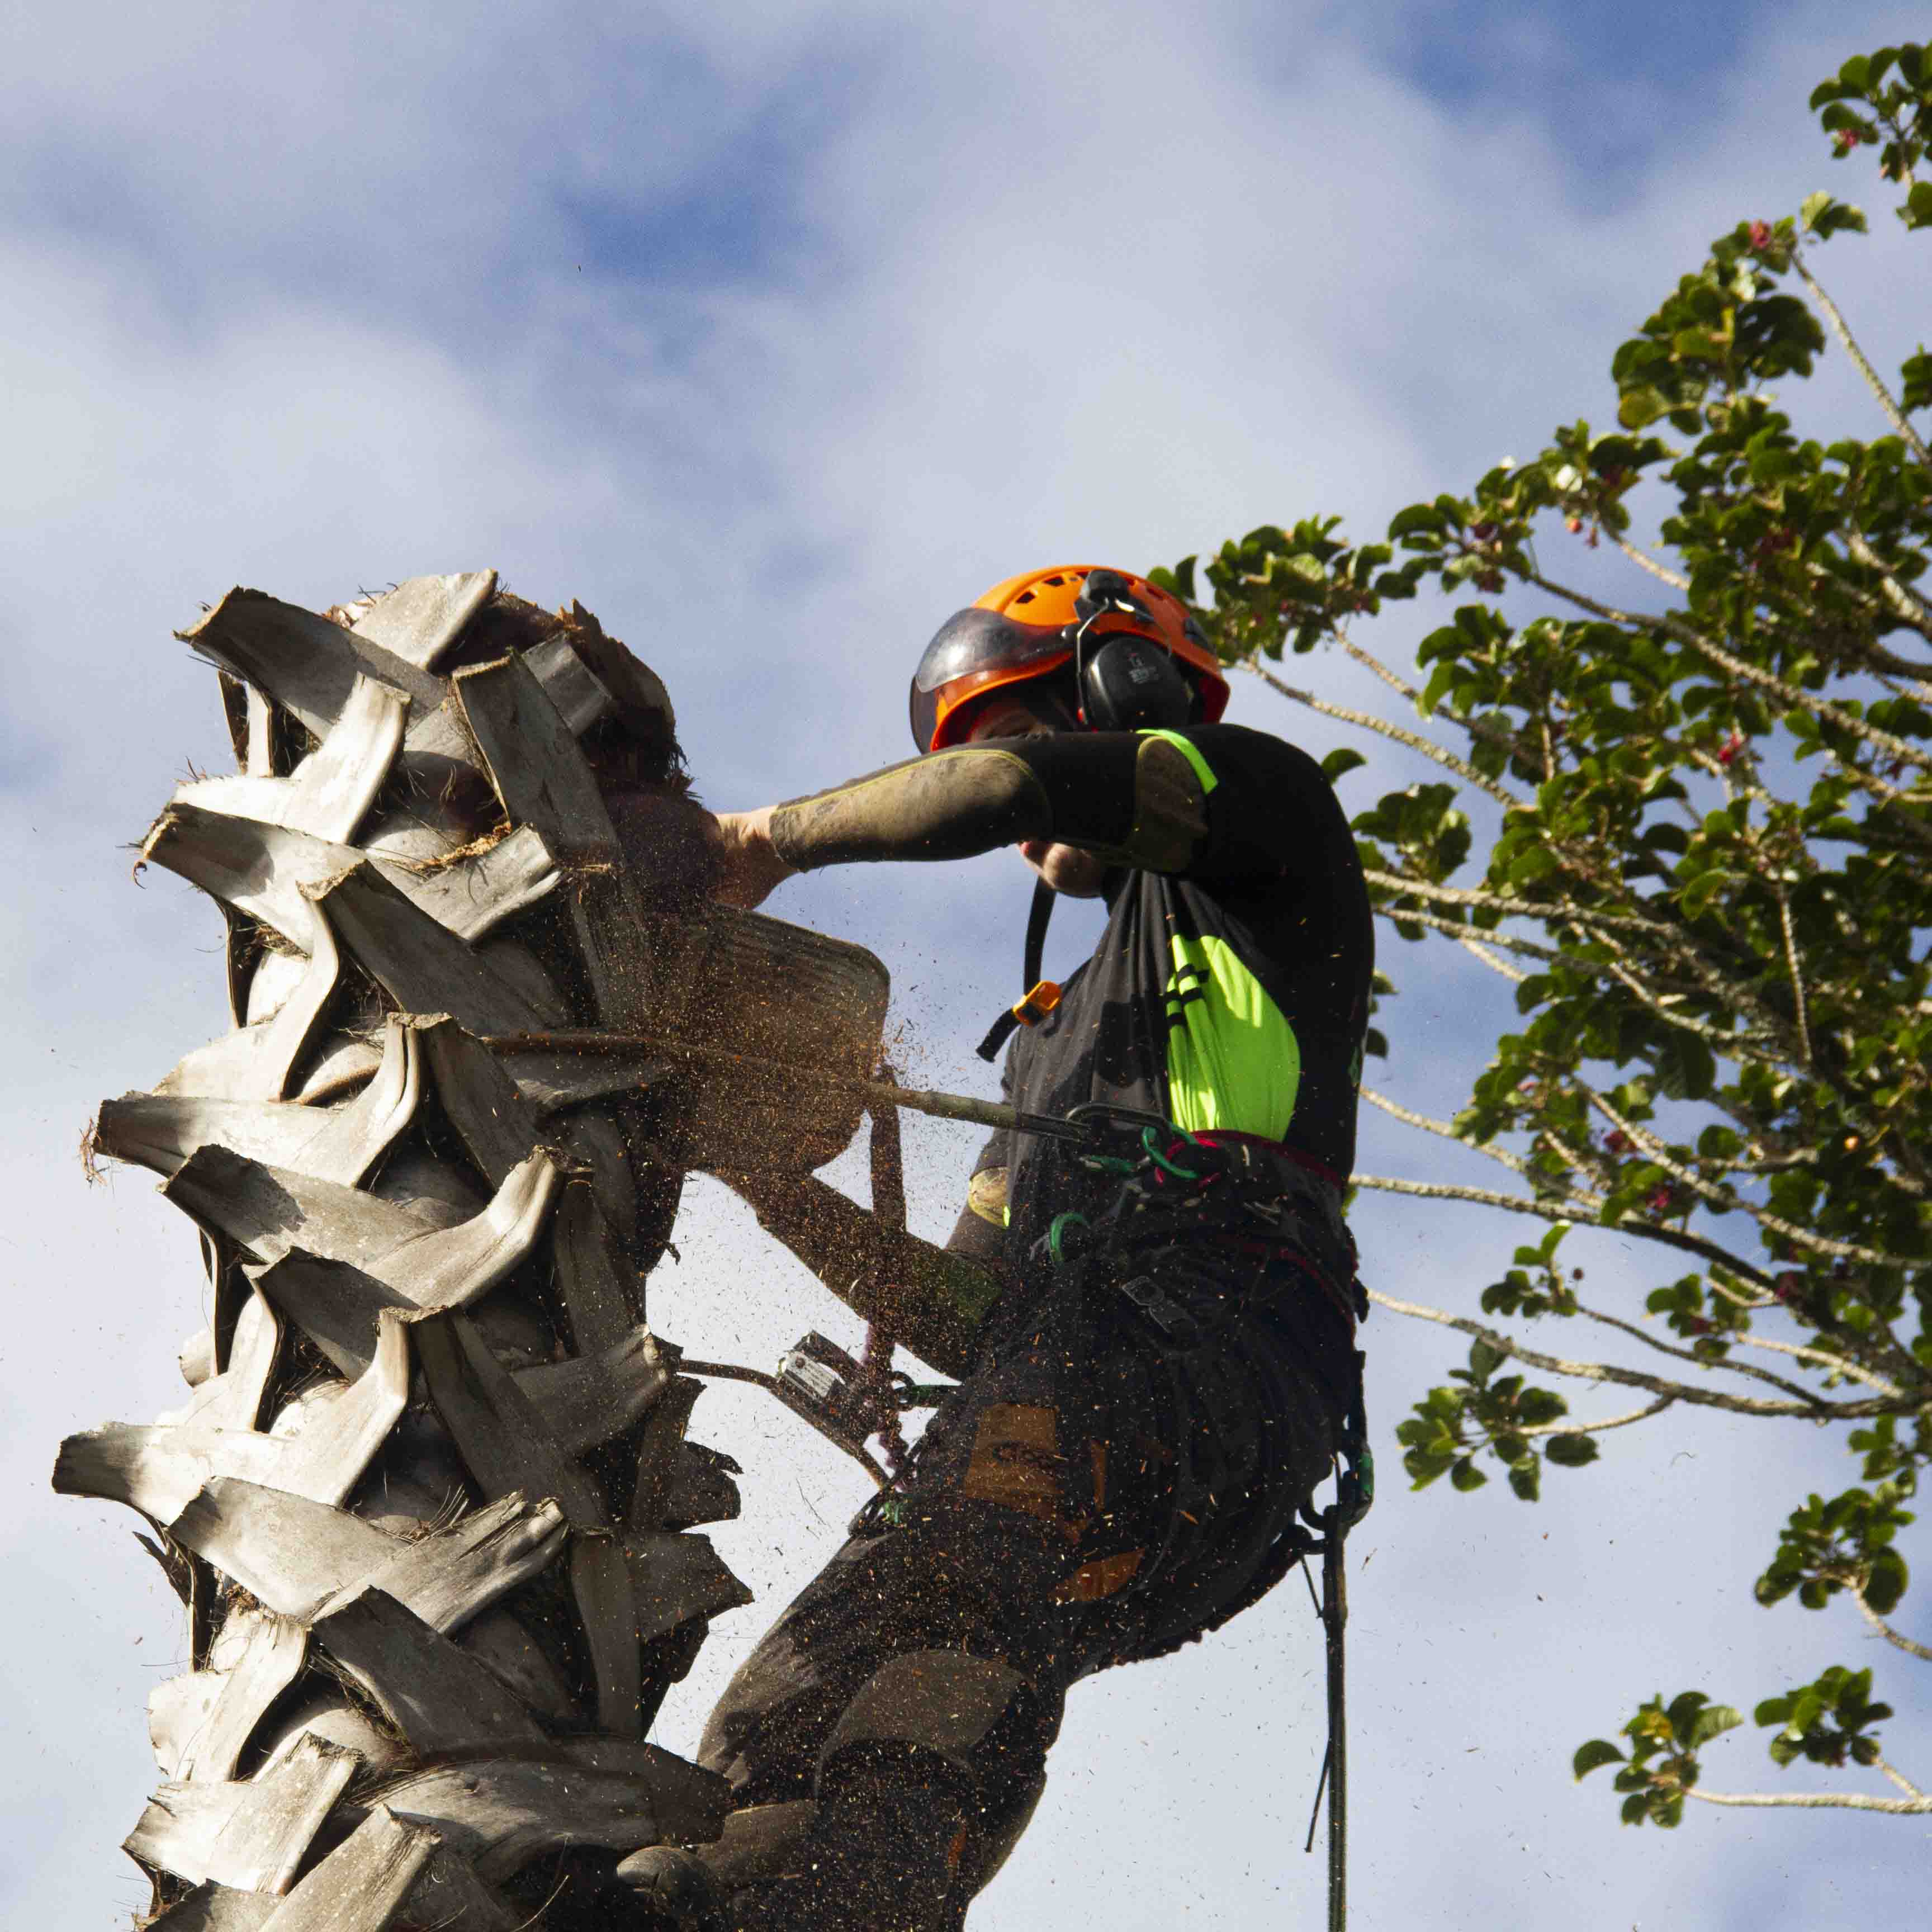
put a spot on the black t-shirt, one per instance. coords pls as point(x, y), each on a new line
point(1233, 993)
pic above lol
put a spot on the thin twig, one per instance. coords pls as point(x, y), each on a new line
point(1874, 382)
point(1644, 561)
point(1783, 899)
point(1813, 1801)
point(1903, 605)
point(1514, 1162)
point(1814, 1411)
point(1837, 1364)
point(1571, 1426)
point(1368, 721)
point(1895, 1638)
point(1630, 1328)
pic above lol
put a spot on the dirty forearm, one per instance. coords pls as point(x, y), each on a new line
point(931, 1301)
point(1134, 799)
point(950, 806)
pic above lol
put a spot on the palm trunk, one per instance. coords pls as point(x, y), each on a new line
point(429, 1501)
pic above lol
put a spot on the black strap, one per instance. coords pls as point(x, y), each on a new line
point(1040, 916)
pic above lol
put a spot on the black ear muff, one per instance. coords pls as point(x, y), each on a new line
point(1131, 684)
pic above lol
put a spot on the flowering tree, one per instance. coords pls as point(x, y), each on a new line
point(1709, 883)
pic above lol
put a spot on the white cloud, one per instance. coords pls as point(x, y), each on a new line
point(294, 299)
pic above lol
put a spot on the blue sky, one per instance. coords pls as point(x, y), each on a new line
point(774, 336)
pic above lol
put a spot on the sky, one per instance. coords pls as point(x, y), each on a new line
point(775, 336)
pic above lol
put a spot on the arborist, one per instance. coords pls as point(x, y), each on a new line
point(1154, 1331)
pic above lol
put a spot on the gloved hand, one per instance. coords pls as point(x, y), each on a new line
point(747, 866)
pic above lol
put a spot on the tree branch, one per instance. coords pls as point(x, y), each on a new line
point(1368, 721)
point(1874, 382)
point(1796, 1390)
point(1812, 1410)
point(1727, 1199)
point(1896, 1638)
point(1514, 1162)
point(1787, 694)
point(1816, 1800)
point(1570, 1426)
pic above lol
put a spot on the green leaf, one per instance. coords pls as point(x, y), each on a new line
point(1593, 1756)
point(1918, 208)
point(1344, 758)
point(1465, 1476)
point(1571, 1451)
point(1713, 1721)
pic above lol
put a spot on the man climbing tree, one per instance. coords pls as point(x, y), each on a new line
point(1155, 1340)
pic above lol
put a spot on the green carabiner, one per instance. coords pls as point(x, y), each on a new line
point(1161, 1161)
point(1053, 1234)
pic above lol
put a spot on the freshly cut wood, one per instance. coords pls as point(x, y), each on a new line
point(269, 1211)
point(327, 794)
point(574, 689)
point(269, 872)
point(505, 1446)
point(586, 1399)
point(421, 966)
point(543, 779)
point(251, 1836)
point(329, 1716)
point(259, 870)
point(161, 1131)
point(504, 1813)
point(700, 1798)
point(200, 1724)
point(674, 1578)
point(440, 1698)
point(159, 1470)
point(218, 1908)
point(363, 1883)
point(308, 665)
point(472, 895)
point(553, 1082)
point(301, 1558)
point(419, 620)
point(660, 1450)
point(510, 1651)
point(450, 1898)
point(257, 1062)
point(233, 1398)
point(594, 1276)
point(497, 1125)
point(701, 1489)
point(338, 1307)
point(760, 1842)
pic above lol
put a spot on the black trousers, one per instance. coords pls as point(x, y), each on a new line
point(1101, 1488)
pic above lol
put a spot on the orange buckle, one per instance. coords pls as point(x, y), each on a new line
point(1040, 1001)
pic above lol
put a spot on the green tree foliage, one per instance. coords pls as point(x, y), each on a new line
point(1703, 855)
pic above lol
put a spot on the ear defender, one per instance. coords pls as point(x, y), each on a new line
point(1131, 684)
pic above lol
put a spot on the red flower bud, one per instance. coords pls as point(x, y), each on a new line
point(1788, 1286)
point(1696, 1325)
point(1617, 1143)
point(1573, 524)
point(1760, 236)
point(1730, 748)
point(1845, 140)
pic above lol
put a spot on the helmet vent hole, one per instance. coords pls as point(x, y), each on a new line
point(1024, 597)
point(1055, 581)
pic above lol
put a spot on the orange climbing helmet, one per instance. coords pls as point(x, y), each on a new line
point(1033, 625)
